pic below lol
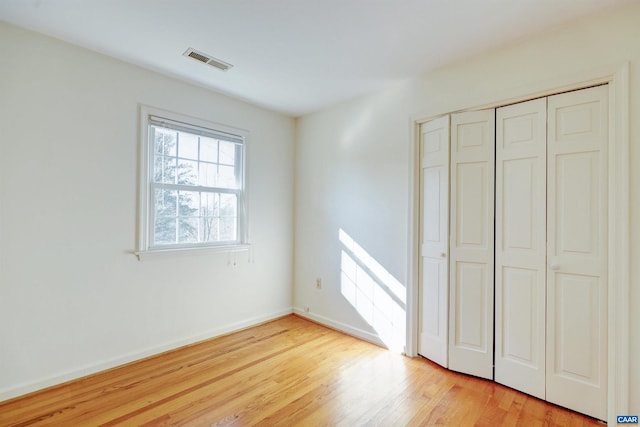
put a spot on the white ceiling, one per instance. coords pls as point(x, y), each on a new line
point(295, 56)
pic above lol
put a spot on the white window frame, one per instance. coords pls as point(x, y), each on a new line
point(146, 210)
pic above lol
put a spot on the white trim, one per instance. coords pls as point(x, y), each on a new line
point(563, 83)
point(143, 185)
point(22, 389)
point(617, 76)
point(619, 262)
point(339, 326)
point(244, 201)
point(412, 305)
point(197, 250)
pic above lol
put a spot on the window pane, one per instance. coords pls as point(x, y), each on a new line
point(194, 217)
point(164, 169)
point(208, 174)
point(209, 150)
point(164, 231)
point(158, 141)
point(228, 229)
point(209, 229)
point(187, 146)
point(164, 141)
point(209, 204)
point(228, 205)
point(228, 217)
point(227, 153)
point(227, 177)
point(188, 203)
point(165, 202)
point(187, 230)
point(187, 172)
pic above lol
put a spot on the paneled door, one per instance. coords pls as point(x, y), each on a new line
point(520, 274)
point(434, 230)
point(472, 243)
point(577, 204)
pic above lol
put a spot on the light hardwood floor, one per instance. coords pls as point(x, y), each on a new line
point(289, 372)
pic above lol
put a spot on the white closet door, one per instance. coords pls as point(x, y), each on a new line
point(577, 251)
point(434, 274)
point(521, 142)
point(472, 243)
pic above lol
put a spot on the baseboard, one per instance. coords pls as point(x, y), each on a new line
point(339, 326)
point(54, 380)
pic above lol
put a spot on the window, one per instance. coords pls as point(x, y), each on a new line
point(192, 183)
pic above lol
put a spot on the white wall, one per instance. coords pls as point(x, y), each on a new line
point(352, 161)
point(73, 299)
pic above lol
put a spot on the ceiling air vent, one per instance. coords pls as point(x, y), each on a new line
point(207, 59)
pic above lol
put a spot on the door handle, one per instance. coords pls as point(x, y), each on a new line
point(443, 255)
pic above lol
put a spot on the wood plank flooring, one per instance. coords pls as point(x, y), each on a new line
point(289, 372)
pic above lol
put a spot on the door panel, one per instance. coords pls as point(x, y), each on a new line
point(519, 311)
point(519, 203)
point(577, 203)
point(521, 246)
point(472, 243)
point(471, 213)
point(576, 298)
point(577, 251)
point(434, 267)
point(471, 292)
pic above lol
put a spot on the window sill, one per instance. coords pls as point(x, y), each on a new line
point(164, 253)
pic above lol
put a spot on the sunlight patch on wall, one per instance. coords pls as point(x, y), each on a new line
point(377, 296)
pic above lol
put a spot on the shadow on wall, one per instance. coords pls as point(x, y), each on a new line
point(377, 296)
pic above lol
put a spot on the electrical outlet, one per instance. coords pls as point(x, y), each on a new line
point(319, 283)
point(306, 308)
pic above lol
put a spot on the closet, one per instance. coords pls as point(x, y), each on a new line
point(514, 246)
